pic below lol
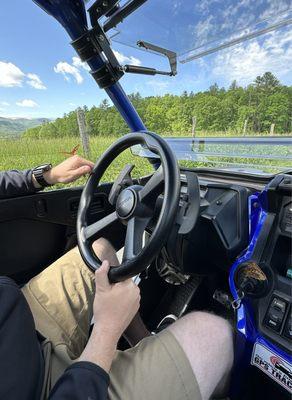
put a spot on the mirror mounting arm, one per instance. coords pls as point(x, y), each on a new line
point(171, 55)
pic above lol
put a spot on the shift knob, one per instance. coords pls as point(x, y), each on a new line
point(251, 280)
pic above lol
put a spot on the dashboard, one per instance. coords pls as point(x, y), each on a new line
point(211, 226)
point(233, 227)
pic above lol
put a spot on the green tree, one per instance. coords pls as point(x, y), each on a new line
point(32, 132)
point(48, 131)
point(256, 106)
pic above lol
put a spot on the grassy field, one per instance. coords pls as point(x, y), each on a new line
point(26, 153)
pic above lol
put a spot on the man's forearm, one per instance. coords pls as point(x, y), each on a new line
point(100, 349)
point(16, 183)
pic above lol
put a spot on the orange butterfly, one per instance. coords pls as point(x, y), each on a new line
point(72, 152)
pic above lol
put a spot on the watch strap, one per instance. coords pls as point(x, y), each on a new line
point(38, 173)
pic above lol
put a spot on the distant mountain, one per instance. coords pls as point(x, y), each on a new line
point(16, 126)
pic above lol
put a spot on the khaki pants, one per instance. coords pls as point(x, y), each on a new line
point(61, 299)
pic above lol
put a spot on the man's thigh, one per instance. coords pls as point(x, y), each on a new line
point(157, 368)
point(61, 299)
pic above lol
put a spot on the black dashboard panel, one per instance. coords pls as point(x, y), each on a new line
point(217, 226)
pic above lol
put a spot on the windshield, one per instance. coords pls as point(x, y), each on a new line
point(195, 28)
point(231, 109)
point(229, 127)
point(252, 155)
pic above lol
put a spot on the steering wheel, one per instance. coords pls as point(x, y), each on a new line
point(134, 207)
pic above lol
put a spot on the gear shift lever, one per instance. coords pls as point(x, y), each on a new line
point(251, 280)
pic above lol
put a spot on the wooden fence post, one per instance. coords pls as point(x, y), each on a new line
point(194, 123)
point(83, 131)
point(245, 126)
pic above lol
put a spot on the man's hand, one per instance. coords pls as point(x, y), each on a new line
point(69, 170)
point(114, 307)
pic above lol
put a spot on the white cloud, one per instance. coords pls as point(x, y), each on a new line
point(27, 103)
point(77, 67)
point(10, 75)
point(124, 59)
point(68, 70)
point(35, 82)
point(79, 64)
point(245, 61)
point(203, 28)
point(4, 104)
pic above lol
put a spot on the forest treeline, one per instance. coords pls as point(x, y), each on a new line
point(237, 109)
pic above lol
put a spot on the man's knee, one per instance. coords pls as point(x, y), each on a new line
point(206, 325)
point(207, 341)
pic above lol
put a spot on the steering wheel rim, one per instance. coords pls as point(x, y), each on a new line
point(132, 197)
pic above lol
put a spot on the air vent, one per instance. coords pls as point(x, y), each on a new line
point(96, 206)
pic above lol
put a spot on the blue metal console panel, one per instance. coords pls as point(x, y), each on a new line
point(246, 332)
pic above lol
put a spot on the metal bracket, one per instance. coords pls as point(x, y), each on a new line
point(100, 8)
point(93, 42)
point(122, 12)
point(171, 55)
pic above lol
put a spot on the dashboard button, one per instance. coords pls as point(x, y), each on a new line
point(275, 314)
point(274, 323)
point(279, 305)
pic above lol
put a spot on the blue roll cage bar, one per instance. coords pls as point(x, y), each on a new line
point(71, 14)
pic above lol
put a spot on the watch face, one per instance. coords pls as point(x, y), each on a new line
point(44, 167)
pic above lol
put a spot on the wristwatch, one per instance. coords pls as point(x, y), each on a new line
point(38, 173)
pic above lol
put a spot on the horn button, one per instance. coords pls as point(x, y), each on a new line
point(126, 203)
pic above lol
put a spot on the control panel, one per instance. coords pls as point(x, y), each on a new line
point(278, 317)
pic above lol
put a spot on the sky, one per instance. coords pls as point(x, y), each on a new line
point(41, 75)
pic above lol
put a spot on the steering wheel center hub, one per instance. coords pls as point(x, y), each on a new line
point(126, 203)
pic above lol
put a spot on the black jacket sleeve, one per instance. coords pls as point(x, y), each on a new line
point(16, 183)
point(81, 381)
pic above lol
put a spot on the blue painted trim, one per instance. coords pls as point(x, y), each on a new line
point(246, 331)
point(257, 215)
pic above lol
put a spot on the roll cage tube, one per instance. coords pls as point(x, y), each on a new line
point(72, 16)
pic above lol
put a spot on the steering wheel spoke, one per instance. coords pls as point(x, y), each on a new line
point(150, 191)
point(134, 237)
point(93, 229)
